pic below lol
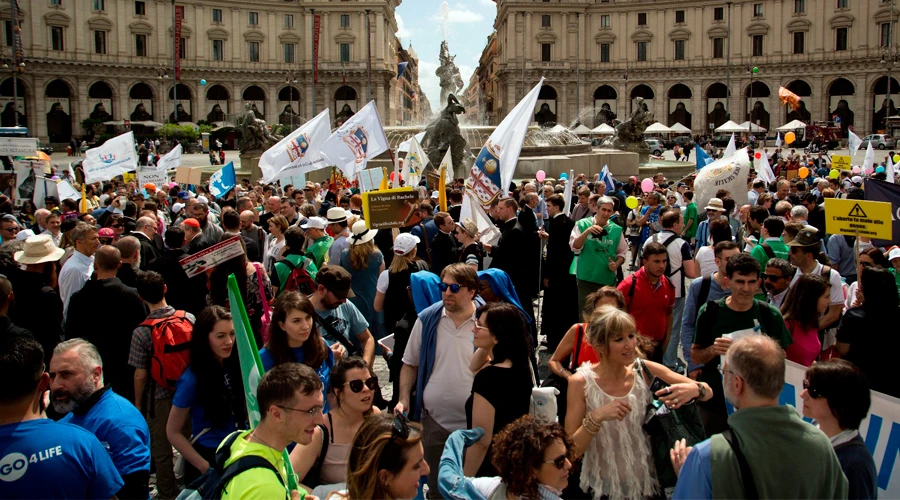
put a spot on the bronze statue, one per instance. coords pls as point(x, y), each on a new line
point(630, 133)
point(443, 134)
point(344, 115)
point(605, 115)
point(254, 131)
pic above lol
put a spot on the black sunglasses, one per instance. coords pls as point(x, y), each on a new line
point(559, 462)
point(453, 288)
point(773, 277)
point(813, 393)
point(400, 427)
point(357, 385)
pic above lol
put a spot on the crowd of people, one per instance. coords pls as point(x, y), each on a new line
point(117, 364)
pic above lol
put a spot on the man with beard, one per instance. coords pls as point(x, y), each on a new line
point(83, 470)
point(212, 232)
point(130, 252)
point(560, 293)
point(735, 316)
point(786, 457)
point(340, 322)
point(252, 232)
point(145, 231)
point(77, 391)
point(122, 312)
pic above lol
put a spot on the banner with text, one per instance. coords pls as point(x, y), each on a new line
point(18, 146)
point(387, 209)
point(205, 260)
point(157, 177)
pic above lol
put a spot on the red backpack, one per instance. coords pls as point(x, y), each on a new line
point(299, 280)
point(171, 338)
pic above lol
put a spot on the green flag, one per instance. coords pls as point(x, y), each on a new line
point(251, 366)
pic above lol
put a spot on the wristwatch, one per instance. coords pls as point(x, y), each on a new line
point(702, 391)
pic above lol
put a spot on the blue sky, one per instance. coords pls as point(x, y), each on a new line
point(469, 24)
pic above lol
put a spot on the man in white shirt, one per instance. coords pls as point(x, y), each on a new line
point(78, 269)
point(777, 280)
point(437, 360)
point(759, 187)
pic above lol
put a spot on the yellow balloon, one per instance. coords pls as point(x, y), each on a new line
point(631, 202)
point(804, 172)
point(789, 138)
point(834, 174)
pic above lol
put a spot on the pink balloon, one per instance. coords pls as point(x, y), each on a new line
point(647, 185)
point(856, 169)
point(540, 175)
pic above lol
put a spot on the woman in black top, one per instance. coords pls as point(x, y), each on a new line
point(471, 252)
point(501, 392)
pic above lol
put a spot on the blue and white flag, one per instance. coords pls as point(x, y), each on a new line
point(702, 159)
point(357, 141)
point(115, 157)
point(299, 152)
point(608, 179)
point(223, 181)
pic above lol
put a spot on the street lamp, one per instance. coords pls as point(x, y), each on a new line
point(162, 73)
point(290, 78)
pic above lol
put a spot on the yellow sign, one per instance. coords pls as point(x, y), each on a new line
point(128, 176)
point(870, 219)
point(840, 162)
point(390, 208)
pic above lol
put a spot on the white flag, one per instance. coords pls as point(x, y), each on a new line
point(853, 143)
point(731, 148)
point(404, 146)
point(170, 161)
point(299, 152)
point(115, 157)
point(416, 161)
point(65, 190)
point(889, 169)
point(447, 163)
point(487, 231)
point(764, 171)
point(493, 169)
point(869, 162)
point(728, 172)
point(778, 141)
point(357, 141)
point(567, 193)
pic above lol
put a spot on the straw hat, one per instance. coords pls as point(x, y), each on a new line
point(39, 249)
point(361, 234)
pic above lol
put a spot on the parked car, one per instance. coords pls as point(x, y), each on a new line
point(879, 141)
point(721, 141)
point(681, 140)
point(656, 146)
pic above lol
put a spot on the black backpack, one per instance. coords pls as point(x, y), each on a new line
point(211, 484)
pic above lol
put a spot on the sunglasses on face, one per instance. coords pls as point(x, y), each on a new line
point(559, 462)
point(357, 385)
point(812, 392)
point(770, 277)
point(453, 288)
point(13, 229)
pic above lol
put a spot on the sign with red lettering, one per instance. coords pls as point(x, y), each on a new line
point(179, 16)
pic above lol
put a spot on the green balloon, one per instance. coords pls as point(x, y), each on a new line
point(755, 69)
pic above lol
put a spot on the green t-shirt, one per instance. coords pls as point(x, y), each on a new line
point(690, 213)
point(319, 249)
point(283, 271)
point(778, 248)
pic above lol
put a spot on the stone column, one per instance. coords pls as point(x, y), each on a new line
point(120, 99)
point(325, 40)
point(564, 31)
point(528, 37)
point(361, 42)
point(563, 111)
point(238, 46)
point(36, 105)
point(272, 110)
point(774, 37)
point(379, 49)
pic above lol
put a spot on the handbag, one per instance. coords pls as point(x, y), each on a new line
point(664, 426)
point(180, 461)
point(266, 318)
point(543, 399)
point(561, 384)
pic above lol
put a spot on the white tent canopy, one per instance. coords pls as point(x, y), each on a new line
point(794, 125)
point(731, 127)
point(752, 127)
point(603, 129)
point(679, 129)
point(658, 128)
point(581, 129)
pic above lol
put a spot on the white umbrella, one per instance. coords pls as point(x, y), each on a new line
point(679, 129)
point(115, 123)
point(581, 130)
point(603, 129)
point(731, 127)
point(148, 123)
point(752, 127)
point(657, 128)
point(222, 125)
point(794, 125)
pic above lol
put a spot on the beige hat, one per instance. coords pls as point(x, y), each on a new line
point(715, 204)
point(361, 233)
point(469, 226)
point(39, 249)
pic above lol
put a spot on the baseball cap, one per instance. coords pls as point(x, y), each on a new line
point(893, 254)
point(314, 223)
point(435, 195)
point(150, 186)
point(805, 238)
point(106, 232)
point(856, 180)
point(202, 199)
point(336, 280)
point(192, 222)
point(183, 195)
point(177, 207)
point(404, 243)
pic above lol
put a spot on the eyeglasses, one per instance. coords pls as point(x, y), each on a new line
point(559, 462)
point(813, 393)
point(357, 385)
point(770, 277)
point(481, 327)
point(400, 426)
point(453, 287)
point(312, 412)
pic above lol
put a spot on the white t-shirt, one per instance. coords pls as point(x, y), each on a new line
point(837, 287)
point(706, 257)
point(382, 284)
point(450, 383)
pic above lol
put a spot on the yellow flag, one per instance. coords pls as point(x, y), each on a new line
point(84, 204)
point(442, 189)
point(384, 180)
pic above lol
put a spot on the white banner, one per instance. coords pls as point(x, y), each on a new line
point(66, 191)
point(416, 161)
point(728, 173)
point(299, 152)
point(357, 141)
point(171, 160)
point(207, 259)
point(157, 177)
point(18, 146)
point(115, 157)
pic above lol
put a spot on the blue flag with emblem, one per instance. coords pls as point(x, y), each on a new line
point(703, 159)
point(608, 179)
point(223, 181)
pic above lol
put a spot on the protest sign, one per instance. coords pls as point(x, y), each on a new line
point(157, 177)
point(188, 175)
point(128, 176)
point(840, 162)
point(386, 209)
point(871, 219)
point(18, 146)
point(205, 260)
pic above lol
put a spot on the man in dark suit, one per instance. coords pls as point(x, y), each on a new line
point(145, 230)
point(182, 293)
point(456, 199)
point(527, 217)
point(443, 248)
point(516, 252)
point(194, 239)
point(560, 308)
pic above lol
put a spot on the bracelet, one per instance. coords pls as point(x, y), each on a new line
point(590, 425)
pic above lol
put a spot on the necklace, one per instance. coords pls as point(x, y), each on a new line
point(254, 436)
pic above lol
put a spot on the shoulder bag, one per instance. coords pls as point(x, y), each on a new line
point(266, 318)
point(560, 383)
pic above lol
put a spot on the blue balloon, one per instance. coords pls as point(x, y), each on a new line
point(564, 176)
point(879, 170)
point(202, 82)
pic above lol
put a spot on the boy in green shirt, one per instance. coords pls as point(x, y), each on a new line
point(770, 245)
point(690, 218)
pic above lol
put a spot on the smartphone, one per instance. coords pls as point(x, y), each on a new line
point(656, 384)
point(387, 342)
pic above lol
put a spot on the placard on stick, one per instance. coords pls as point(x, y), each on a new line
point(869, 219)
point(207, 259)
point(386, 209)
point(188, 175)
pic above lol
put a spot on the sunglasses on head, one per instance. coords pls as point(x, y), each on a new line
point(813, 393)
point(400, 427)
point(357, 385)
point(559, 462)
point(453, 288)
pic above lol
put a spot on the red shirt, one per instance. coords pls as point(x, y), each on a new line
point(649, 304)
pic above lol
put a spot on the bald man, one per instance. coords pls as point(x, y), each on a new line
point(251, 231)
point(145, 230)
point(273, 208)
point(40, 216)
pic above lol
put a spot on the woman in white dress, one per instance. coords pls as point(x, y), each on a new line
point(274, 242)
point(607, 404)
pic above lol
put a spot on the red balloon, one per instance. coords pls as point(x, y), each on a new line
point(758, 155)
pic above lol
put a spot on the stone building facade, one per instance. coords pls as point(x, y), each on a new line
point(113, 60)
point(598, 55)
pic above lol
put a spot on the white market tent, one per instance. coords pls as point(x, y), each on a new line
point(731, 127)
point(603, 129)
point(752, 127)
point(581, 130)
point(679, 129)
point(657, 128)
point(794, 125)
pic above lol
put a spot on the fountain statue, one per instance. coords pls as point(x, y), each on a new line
point(451, 80)
point(630, 133)
point(442, 134)
point(255, 133)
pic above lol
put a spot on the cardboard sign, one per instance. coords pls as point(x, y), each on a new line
point(386, 209)
point(157, 177)
point(18, 146)
point(840, 162)
point(188, 175)
point(870, 219)
point(207, 259)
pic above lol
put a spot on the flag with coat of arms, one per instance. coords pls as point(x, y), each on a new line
point(357, 141)
point(223, 181)
point(299, 152)
point(416, 161)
